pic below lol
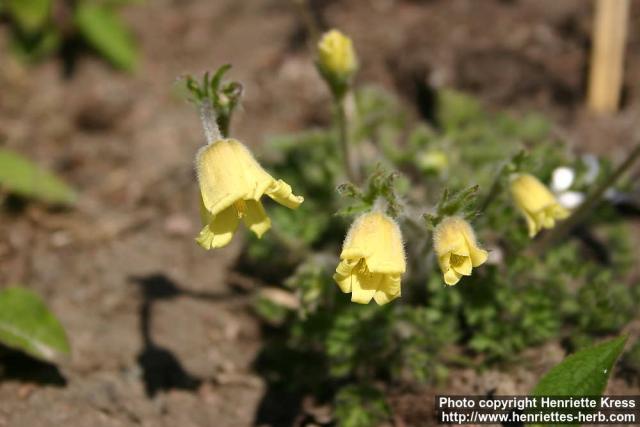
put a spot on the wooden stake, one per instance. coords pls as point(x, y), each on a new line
point(607, 58)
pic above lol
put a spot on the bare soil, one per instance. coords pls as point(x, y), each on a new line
point(162, 332)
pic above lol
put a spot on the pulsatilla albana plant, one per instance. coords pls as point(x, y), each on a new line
point(461, 203)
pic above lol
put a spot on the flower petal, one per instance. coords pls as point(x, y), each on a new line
point(451, 277)
point(205, 215)
point(361, 289)
point(221, 182)
point(219, 231)
point(227, 172)
point(391, 284)
point(532, 225)
point(463, 266)
point(449, 236)
point(343, 274)
point(445, 262)
point(462, 250)
point(377, 238)
point(281, 192)
point(382, 297)
point(547, 220)
point(255, 217)
point(478, 256)
point(389, 289)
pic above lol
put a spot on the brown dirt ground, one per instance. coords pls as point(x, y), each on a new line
point(161, 331)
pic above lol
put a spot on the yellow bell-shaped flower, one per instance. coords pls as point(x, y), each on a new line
point(336, 55)
point(231, 185)
point(372, 260)
point(537, 204)
point(457, 249)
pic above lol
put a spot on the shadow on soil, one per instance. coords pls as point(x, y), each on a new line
point(20, 367)
point(292, 377)
point(162, 371)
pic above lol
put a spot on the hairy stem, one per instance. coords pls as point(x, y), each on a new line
point(493, 190)
point(496, 186)
point(209, 124)
point(344, 136)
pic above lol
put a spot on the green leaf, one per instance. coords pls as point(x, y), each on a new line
point(105, 32)
point(360, 406)
point(217, 77)
point(30, 15)
point(23, 177)
point(456, 110)
point(27, 325)
point(584, 373)
point(31, 49)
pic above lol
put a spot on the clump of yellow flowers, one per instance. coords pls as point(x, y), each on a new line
point(372, 261)
point(536, 203)
point(231, 185)
point(457, 249)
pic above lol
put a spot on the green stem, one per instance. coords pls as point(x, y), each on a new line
point(223, 124)
point(493, 190)
point(565, 227)
point(496, 186)
point(350, 167)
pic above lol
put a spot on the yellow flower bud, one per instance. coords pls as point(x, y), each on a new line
point(372, 260)
point(433, 161)
point(457, 249)
point(336, 55)
point(231, 185)
point(537, 204)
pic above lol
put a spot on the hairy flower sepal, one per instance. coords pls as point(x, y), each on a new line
point(337, 61)
point(536, 203)
point(457, 249)
point(231, 185)
point(372, 260)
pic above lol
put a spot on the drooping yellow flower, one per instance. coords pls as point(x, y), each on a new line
point(537, 204)
point(457, 249)
point(372, 260)
point(231, 185)
point(336, 55)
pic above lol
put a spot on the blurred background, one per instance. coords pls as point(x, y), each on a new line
point(162, 332)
